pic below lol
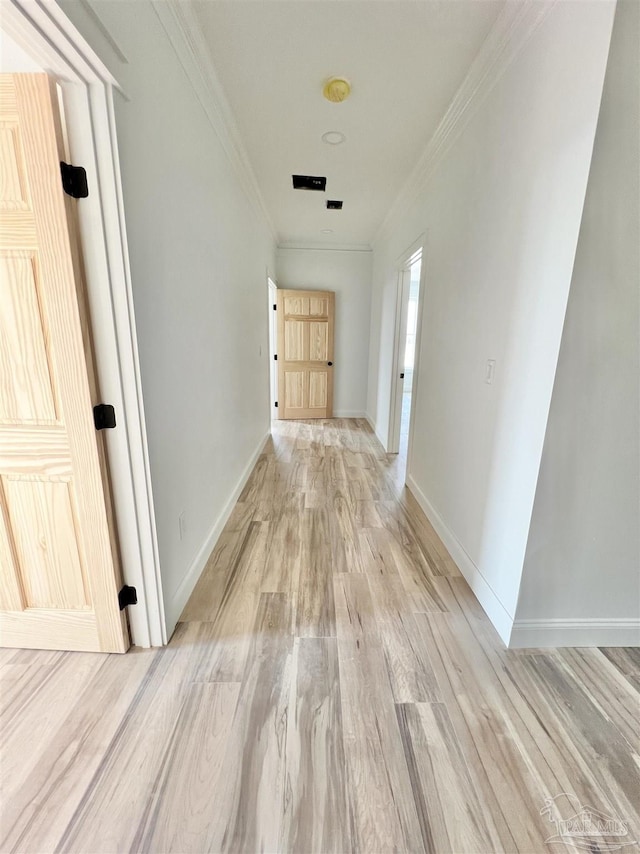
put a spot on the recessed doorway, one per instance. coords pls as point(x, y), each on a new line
point(403, 387)
point(272, 299)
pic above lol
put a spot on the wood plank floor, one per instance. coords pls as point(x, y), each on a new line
point(333, 686)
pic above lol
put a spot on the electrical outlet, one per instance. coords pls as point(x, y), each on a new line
point(181, 525)
point(489, 371)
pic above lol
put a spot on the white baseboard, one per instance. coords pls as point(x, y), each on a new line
point(492, 606)
point(180, 598)
point(575, 632)
point(349, 413)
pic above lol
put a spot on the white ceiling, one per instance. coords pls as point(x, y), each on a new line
point(405, 60)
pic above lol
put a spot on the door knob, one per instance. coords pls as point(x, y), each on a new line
point(401, 376)
point(329, 363)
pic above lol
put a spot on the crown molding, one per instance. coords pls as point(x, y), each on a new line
point(516, 23)
point(185, 34)
point(326, 247)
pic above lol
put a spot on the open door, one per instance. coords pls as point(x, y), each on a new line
point(305, 353)
point(59, 573)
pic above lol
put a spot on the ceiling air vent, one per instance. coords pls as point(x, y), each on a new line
point(309, 182)
point(334, 204)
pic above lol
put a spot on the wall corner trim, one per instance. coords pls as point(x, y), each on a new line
point(514, 26)
point(493, 607)
point(184, 32)
point(175, 605)
point(587, 632)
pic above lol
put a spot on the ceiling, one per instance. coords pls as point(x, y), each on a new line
point(405, 60)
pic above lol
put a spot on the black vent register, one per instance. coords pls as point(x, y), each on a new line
point(309, 182)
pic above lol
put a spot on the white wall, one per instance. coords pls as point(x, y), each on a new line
point(502, 214)
point(199, 255)
point(581, 578)
point(348, 273)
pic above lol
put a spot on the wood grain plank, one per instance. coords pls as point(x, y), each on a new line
point(382, 801)
point(107, 816)
point(452, 814)
point(315, 805)
point(36, 816)
point(204, 602)
point(250, 792)
point(190, 772)
point(35, 701)
point(316, 610)
point(228, 636)
point(408, 664)
point(490, 745)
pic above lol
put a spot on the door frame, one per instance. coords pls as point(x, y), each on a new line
point(272, 316)
point(45, 33)
point(403, 269)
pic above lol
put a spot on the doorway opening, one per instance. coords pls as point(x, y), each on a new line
point(406, 353)
point(272, 315)
point(406, 375)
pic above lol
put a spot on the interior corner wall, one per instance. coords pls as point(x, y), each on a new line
point(502, 213)
point(348, 273)
point(581, 577)
point(199, 254)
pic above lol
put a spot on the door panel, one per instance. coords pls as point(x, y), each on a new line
point(318, 342)
point(59, 576)
point(294, 389)
point(296, 305)
point(317, 390)
point(41, 513)
point(27, 395)
point(318, 307)
point(294, 335)
point(305, 348)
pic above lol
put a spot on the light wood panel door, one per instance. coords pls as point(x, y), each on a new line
point(305, 353)
point(59, 576)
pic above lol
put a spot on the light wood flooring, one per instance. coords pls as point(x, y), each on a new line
point(333, 685)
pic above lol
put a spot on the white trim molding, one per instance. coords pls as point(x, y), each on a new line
point(184, 31)
point(493, 607)
point(45, 33)
point(175, 605)
point(516, 23)
point(575, 632)
point(326, 247)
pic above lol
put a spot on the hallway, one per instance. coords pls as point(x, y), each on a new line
point(333, 685)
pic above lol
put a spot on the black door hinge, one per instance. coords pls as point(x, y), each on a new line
point(276, 403)
point(127, 596)
point(275, 357)
point(275, 307)
point(74, 180)
point(104, 416)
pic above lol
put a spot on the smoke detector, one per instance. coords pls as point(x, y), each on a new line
point(336, 89)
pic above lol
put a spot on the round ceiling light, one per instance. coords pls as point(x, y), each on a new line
point(336, 89)
point(333, 137)
point(327, 231)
